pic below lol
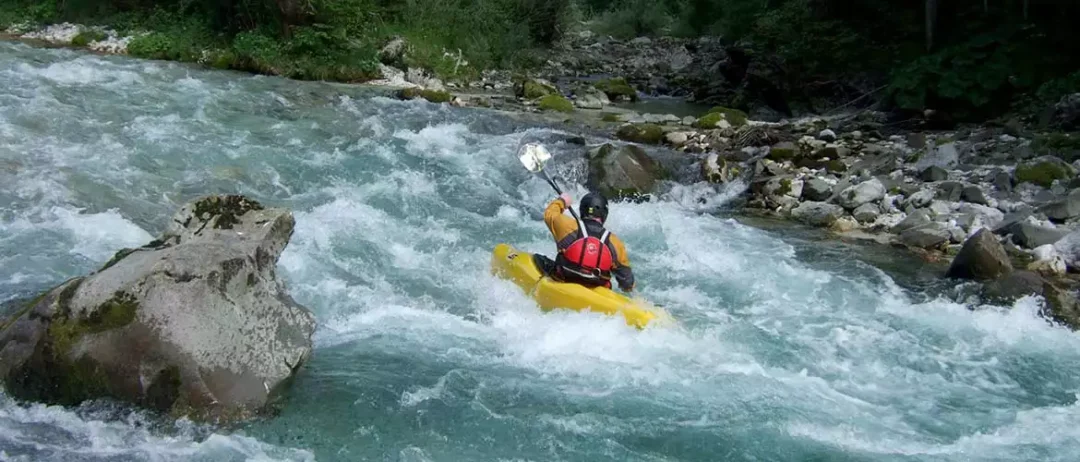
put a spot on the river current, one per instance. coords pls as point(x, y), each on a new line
point(783, 352)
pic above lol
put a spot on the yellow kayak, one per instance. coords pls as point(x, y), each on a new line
point(519, 267)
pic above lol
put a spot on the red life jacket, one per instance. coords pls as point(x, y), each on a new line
point(587, 259)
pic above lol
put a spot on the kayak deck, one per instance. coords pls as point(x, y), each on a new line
point(520, 267)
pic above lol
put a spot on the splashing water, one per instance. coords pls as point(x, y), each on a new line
point(422, 355)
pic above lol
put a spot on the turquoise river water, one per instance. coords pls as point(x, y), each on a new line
point(783, 353)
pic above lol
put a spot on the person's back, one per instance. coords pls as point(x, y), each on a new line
point(593, 257)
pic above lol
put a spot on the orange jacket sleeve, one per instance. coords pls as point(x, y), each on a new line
point(558, 222)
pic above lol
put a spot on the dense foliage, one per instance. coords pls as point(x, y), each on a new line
point(973, 58)
point(318, 39)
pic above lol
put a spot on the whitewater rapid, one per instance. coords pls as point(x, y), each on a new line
point(784, 351)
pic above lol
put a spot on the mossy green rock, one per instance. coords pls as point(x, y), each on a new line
point(735, 117)
point(617, 89)
point(1043, 172)
point(782, 151)
point(434, 96)
point(87, 37)
point(556, 103)
point(641, 133)
point(194, 323)
point(707, 121)
point(535, 89)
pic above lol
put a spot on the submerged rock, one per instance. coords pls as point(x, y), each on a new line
point(194, 323)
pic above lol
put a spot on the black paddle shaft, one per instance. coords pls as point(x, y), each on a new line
point(559, 190)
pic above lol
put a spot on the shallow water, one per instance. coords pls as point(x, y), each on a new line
point(787, 349)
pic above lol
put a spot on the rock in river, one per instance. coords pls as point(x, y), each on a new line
point(194, 323)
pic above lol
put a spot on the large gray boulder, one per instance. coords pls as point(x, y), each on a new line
point(195, 323)
point(817, 213)
point(981, 258)
point(626, 171)
point(868, 191)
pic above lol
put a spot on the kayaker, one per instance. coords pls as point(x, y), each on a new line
point(584, 260)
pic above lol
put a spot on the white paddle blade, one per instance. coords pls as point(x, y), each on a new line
point(533, 156)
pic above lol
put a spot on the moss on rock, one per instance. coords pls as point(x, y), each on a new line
point(641, 133)
point(616, 89)
point(535, 89)
point(785, 187)
point(87, 37)
point(710, 120)
point(735, 117)
point(1041, 173)
point(556, 103)
point(119, 255)
point(783, 151)
point(229, 209)
point(434, 96)
point(610, 117)
point(835, 166)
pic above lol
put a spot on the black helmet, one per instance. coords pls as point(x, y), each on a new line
point(593, 205)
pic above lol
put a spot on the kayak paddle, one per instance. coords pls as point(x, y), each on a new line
point(533, 156)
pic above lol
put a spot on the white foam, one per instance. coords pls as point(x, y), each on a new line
point(33, 425)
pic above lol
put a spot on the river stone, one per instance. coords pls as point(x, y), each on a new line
point(944, 156)
point(677, 139)
point(1063, 209)
point(917, 218)
point(981, 258)
point(920, 199)
point(716, 169)
point(1048, 261)
point(816, 189)
point(195, 323)
point(929, 235)
point(817, 213)
point(866, 213)
point(868, 191)
point(1003, 182)
point(950, 191)
point(974, 195)
point(625, 172)
point(827, 135)
point(981, 215)
point(1030, 235)
point(1061, 305)
point(934, 173)
point(784, 186)
point(588, 102)
point(1069, 248)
